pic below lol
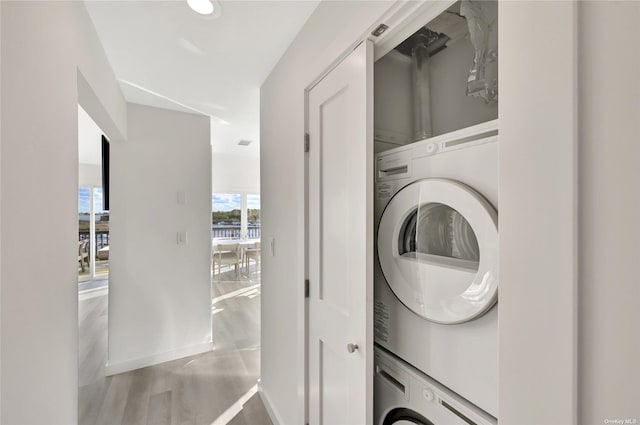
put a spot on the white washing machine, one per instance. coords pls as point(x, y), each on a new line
point(403, 395)
point(436, 278)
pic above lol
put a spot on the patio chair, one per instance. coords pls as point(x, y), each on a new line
point(83, 253)
point(252, 254)
point(227, 255)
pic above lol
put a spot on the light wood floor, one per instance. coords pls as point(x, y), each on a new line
point(192, 391)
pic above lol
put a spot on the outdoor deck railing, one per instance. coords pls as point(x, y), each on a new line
point(223, 232)
point(102, 238)
point(233, 232)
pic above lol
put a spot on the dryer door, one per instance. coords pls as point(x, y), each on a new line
point(438, 250)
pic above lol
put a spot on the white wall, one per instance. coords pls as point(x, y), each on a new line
point(537, 218)
point(235, 173)
point(332, 28)
point(89, 139)
point(44, 47)
point(89, 150)
point(609, 178)
point(159, 291)
point(89, 175)
point(0, 221)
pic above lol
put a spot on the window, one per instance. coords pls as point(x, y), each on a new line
point(235, 216)
point(253, 216)
point(226, 215)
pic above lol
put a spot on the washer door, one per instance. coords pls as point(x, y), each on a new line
point(438, 250)
point(402, 416)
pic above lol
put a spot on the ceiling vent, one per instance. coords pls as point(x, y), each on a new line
point(244, 142)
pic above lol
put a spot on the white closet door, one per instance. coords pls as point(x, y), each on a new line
point(341, 243)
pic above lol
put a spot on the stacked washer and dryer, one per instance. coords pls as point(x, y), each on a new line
point(436, 278)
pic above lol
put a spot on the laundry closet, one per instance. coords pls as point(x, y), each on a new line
point(435, 221)
point(395, 278)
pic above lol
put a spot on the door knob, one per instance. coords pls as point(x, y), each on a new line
point(352, 347)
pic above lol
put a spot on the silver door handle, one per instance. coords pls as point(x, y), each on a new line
point(352, 347)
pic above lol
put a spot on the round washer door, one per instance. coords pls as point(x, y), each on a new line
point(438, 250)
point(402, 416)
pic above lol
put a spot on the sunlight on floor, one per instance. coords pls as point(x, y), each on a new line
point(235, 408)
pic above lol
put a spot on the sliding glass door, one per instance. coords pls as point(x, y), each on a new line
point(93, 235)
point(84, 234)
point(101, 236)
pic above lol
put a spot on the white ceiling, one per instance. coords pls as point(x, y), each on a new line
point(166, 55)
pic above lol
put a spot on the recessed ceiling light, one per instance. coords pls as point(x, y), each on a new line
point(203, 7)
point(244, 142)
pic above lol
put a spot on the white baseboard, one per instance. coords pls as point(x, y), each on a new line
point(140, 362)
point(268, 406)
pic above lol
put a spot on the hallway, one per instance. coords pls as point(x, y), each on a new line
point(195, 390)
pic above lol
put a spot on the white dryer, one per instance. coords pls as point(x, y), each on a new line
point(436, 279)
point(403, 395)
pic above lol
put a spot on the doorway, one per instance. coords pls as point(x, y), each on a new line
point(93, 214)
point(236, 252)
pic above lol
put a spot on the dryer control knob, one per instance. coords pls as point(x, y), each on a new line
point(431, 147)
point(428, 394)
